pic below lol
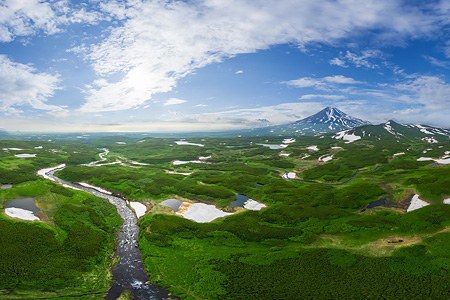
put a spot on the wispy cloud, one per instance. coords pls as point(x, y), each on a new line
point(146, 55)
point(321, 96)
point(436, 62)
point(174, 101)
point(22, 85)
point(367, 59)
point(321, 83)
point(239, 72)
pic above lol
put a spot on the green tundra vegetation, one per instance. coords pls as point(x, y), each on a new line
point(70, 253)
point(316, 239)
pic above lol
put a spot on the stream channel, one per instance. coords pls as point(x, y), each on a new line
point(129, 273)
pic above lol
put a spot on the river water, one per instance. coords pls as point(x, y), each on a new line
point(129, 273)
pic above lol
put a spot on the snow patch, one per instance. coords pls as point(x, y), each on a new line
point(179, 173)
point(25, 155)
point(20, 213)
point(289, 175)
point(430, 140)
point(288, 141)
point(346, 136)
point(313, 148)
point(284, 154)
point(398, 154)
point(139, 208)
point(186, 143)
point(416, 203)
point(251, 204)
point(326, 158)
point(201, 212)
point(13, 149)
point(446, 201)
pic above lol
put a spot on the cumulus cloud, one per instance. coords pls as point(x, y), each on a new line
point(239, 72)
point(174, 101)
point(159, 42)
point(24, 18)
point(22, 85)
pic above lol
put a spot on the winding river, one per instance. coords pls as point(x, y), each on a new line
point(129, 273)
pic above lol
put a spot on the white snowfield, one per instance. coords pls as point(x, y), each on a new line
point(25, 155)
point(138, 163)
point(289, 175)
point(179, 173)
point(184, 162)
point(313, 148)
point(346, 136)
point(95, 188)
point(398, 154)
point(251, 204)
point(416, 203)
point(139, 208)
point(20, 213)
point(430, 140)
point(441, 161)
point(288, 141)
point(203, 213)
point(423, 129)
point(326, 158)
point(186, 143)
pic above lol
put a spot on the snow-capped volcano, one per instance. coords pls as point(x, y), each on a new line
point(329, 119)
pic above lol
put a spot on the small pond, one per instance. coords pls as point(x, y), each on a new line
point(23, 203)
point(172, 203)
point(240, 201)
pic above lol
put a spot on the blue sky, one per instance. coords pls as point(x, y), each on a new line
point(220, 64)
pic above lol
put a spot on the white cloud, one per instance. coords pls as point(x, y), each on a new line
point(249, 117)
point(25, 18)
point(339, 79)
point(323, 83)
point(338, 62)
point(22, 85)
point(174, 101)
point(436, 62)
point(431, 91)
point(160, 42)
point(366, 58)
point(322, 96)
point(239, 72)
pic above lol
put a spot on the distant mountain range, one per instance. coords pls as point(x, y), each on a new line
point(394, 131)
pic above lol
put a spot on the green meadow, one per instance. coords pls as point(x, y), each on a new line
point(315, 239)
